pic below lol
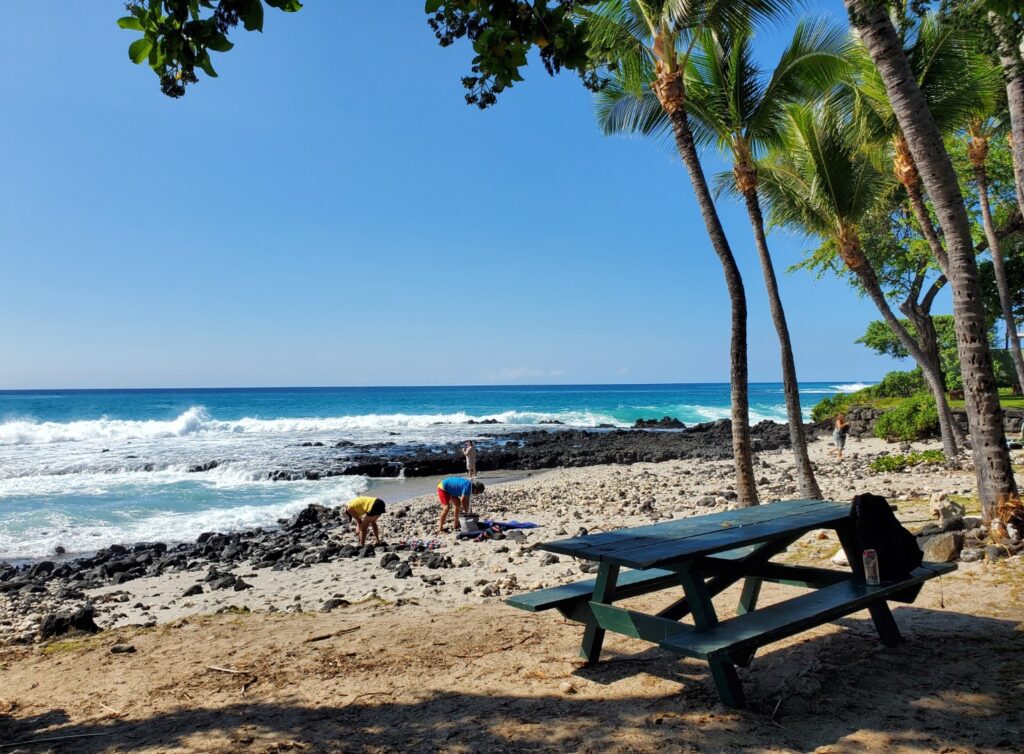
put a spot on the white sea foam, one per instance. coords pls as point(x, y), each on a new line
point(852, 387)
point(196, 422)
point(21, 538)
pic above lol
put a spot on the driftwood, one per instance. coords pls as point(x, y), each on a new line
point(324, 637)
point(54, 739)
point(230, 670)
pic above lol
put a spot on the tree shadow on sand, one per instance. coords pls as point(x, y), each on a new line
point(955, 682)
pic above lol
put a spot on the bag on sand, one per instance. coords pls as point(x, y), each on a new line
point(469, 523)
point(875, 528)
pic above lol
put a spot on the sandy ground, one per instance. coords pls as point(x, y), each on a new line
point(433, 668)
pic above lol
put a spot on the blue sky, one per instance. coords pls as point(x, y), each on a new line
point(330, 212)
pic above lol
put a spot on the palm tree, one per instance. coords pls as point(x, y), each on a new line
point(992, 464)
point(821, 183)
point(648, 43)
point(1006, 20)
point(980, 132)
point(731, 103)
point(957, 83)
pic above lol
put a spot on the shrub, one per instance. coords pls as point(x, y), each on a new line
point(901, 462)
point(899, 385)
point(827, 408)
point(912, 418)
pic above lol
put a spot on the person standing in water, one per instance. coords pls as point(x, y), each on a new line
point(469, 450)
point(456, 492)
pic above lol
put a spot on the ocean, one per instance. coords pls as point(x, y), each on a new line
point(84, 469)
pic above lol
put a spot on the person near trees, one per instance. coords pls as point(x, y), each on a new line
point(839, 434)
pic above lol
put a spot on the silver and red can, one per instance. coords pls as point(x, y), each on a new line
point(871, 575)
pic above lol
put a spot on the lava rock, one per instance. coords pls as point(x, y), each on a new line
point(403, 571)
point(193, 590)
point(58, 624)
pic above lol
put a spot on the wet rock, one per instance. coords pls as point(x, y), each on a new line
point(199, 468)
point(665, 422)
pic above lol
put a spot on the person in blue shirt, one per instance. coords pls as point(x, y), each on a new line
point(455, 492)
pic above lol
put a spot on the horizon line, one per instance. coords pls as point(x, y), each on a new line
point(392, 387)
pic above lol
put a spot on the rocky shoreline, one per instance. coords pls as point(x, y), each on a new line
point(311, 561)
point(541, 449)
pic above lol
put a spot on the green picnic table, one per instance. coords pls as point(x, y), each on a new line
point(705, 555)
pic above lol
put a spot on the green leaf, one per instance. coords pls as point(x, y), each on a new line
point(138, 51)
point(130, 22)
point(219, 43)
point(251, 13)
point(433, 5)
point(207, 66)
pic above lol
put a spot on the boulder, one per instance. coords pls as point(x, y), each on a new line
point(949, 512)
point(58, 624)
point(943, 548)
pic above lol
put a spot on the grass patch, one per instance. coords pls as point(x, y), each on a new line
point(894, 463)
point(69, 645)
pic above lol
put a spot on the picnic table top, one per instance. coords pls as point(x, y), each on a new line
point(681, 539)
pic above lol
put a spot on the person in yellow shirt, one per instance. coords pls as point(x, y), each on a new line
point(365, 511)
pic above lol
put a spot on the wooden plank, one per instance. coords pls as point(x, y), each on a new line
point(577, 546)
point(638, 625)
point(697, 527)
point(711, 542)
point(630, 584)
point(604, 591)
point(738, 636)
point(805, 576)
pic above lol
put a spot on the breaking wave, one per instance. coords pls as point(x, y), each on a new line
point(197, 422)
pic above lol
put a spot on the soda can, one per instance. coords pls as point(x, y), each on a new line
point(871, 575)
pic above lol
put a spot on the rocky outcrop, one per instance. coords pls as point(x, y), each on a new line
point(665, 422)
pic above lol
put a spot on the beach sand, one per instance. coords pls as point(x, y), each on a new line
point(414, 666)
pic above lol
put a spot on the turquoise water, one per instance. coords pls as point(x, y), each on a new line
point(88, 468)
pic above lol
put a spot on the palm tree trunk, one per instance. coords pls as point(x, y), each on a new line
point(984, 414)
point(860, 267)
point(981, 177)
point(671, 94)
point(928, 342)
point(1013, 71)
point(797, 437)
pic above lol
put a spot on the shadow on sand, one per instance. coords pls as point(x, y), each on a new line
point(956, 682)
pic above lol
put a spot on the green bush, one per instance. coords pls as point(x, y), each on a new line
point(901, 462)
point(899, 385)
point(912, 418)
point(827, 408)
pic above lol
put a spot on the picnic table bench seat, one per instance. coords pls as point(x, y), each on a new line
point(736, 639)
point(631, 583)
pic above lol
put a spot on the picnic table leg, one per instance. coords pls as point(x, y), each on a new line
point(885, 624)
point(723, 673)
point(749, 595)
point(604, 591)
point(727, 682)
